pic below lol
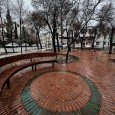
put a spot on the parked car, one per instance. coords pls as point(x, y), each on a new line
point(34, 45)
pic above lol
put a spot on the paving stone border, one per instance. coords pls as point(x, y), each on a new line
point(91, 108)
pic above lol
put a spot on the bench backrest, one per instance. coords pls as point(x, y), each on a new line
point(12, 59)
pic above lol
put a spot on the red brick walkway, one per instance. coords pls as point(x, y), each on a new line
point(94, 65)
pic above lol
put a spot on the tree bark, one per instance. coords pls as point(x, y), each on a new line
point(12, 42)
point(39, 39)
point(104, 42)
point(61, 30)
point(54, 30)
point(81, 42)
point(57, 42)
point(95, 34)
point(24, 35)
point(68, 50)
point(111, 40)
point(20, 34)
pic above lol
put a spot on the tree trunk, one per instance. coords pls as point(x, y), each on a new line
point(39, 39)
point(24, 35)
point(61, 30)
point(12, 42)
point(68, 50)
point(111, 39)
point(67, 38)
point(57, 42)
point(82, 43)
point(3, 46)
point(93, 43)
point(16, 34)
point(94, 38)
point(104, 42)
point(54, 30)
point(53, 39)
point(20, 34)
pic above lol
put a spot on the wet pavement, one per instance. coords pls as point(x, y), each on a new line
point(83, 87)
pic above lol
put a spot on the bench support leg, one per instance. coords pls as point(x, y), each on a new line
point(8, 84)
point(35, 67)
point(32, 67)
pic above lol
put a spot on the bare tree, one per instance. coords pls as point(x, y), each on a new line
point(2, 41)
point(19, 11)
point(82, 11)
point(36, 22)
point(89, 14)
point(65, 7)
point(108, 13)
point(53, 12)
point(9, 24)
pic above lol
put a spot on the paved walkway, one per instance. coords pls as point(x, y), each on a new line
point(84, 87)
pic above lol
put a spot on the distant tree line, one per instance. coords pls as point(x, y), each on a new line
point(57, 16)
point(12, 26)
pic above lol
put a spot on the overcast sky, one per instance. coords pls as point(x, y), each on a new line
point(28, 4)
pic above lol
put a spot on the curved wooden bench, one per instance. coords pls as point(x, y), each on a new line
point(8, 73)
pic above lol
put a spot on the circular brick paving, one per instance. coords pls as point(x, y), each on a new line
point(61, 93)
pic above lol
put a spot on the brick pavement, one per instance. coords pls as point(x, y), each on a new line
point(51, 88)
point(57, 89)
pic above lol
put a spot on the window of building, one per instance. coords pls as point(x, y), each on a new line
point(83, 44)
point(91, 31)
point(97, 43)
point(83, 31)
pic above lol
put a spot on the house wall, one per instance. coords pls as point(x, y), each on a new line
point(46, 39)
point(98, 43)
